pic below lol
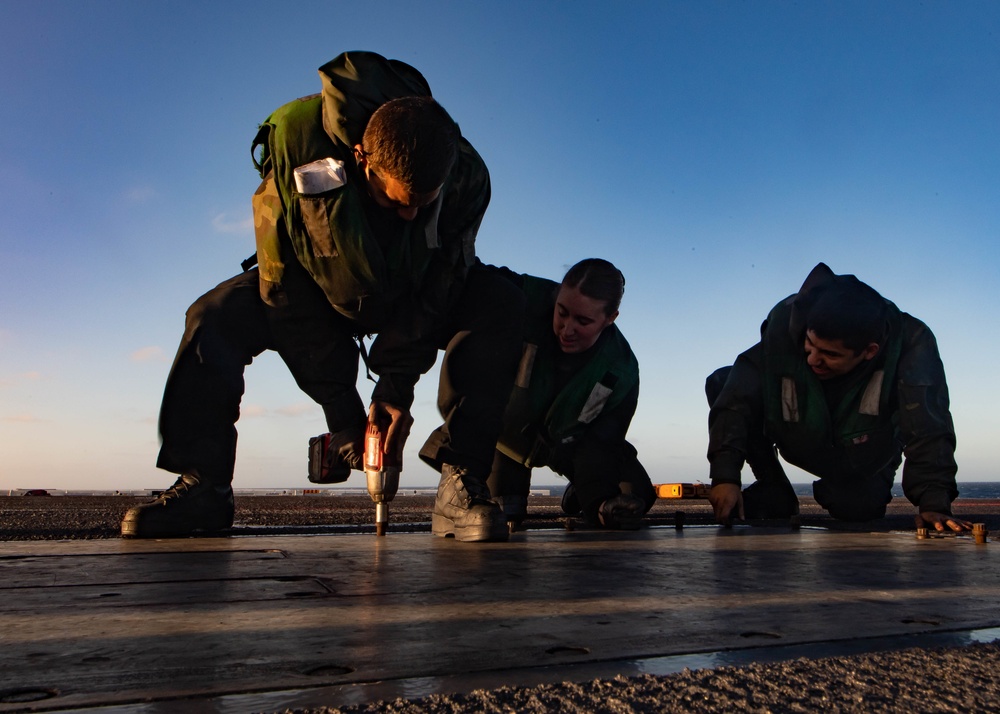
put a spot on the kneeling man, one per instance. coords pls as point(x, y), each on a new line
point(844, 385)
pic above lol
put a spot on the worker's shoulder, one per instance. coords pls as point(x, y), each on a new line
point(915, 332)
point(470, 172)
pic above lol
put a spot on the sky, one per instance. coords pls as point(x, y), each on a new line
point(714, 151)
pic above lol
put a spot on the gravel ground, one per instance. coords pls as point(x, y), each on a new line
point(87, 517)
point(958, 679)
point(964, 680)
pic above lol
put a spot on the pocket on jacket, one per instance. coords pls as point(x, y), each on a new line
point(316, 217)
point(870, 451)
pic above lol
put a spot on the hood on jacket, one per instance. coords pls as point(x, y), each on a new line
point(355, 84)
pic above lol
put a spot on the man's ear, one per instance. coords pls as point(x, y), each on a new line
point(870, 351)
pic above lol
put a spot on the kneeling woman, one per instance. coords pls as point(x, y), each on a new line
point(573, 400)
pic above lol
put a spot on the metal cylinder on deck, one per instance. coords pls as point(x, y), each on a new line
point(979, 532)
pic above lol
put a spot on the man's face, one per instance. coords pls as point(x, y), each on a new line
point(831, 358)
point(578, 320)
point(391, 194)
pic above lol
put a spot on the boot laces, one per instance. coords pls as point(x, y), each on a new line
point(468, 490)
point(183, 484)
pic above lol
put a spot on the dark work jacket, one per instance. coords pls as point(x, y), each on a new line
point(399, 286)
point(851, 439)
point(547, 415)
point(897, 401)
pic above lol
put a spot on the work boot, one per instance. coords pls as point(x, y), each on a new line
point(191, 505)
point(463, 508)
point(623, 512)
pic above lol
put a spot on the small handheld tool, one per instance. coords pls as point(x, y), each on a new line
point(681, 490)
point(382, 471)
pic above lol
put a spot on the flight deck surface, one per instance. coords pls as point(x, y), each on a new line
point(261, 623)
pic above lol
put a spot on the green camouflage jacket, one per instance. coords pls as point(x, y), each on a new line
point(310, 221)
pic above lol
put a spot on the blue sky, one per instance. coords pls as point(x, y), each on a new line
point(715, 151)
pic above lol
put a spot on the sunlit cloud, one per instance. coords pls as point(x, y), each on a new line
point(252, 411)
point(256, 411)
point(24, 418)
point(19, 378)
point(224, 223)
point(152, 353)
point(294, 410)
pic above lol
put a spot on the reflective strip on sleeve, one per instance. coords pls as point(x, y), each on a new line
point(595, 403)
point(789, 400)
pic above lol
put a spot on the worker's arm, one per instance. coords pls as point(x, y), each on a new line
point(737, 409)
point(407, 346)
point(926, 429)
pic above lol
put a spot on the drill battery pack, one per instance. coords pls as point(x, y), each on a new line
point(324, 464)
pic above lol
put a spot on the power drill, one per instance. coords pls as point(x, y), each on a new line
point(382, 471)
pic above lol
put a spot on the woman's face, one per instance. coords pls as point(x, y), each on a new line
point(578, 320)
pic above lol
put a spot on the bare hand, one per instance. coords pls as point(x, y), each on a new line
point(941, 520)
point(400, 422)
point(726, 498)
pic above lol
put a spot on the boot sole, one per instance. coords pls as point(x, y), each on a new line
point(442, 526)
point(135, 528)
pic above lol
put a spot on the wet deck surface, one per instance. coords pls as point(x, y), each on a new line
point(263, 623)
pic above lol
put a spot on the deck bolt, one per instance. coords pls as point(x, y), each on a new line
point(979, 532)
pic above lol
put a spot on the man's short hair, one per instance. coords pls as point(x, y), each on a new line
point(849, 311)
point(412, 140)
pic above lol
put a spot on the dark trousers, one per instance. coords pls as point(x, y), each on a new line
point(621, 472)
point(230, 325)
point(482, 348)
point(854, 498)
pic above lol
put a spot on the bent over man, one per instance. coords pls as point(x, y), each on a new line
point(365, 222)
point(843, 385)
